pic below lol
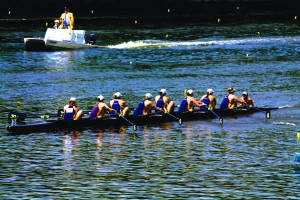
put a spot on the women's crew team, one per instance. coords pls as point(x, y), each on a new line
point(163, 103)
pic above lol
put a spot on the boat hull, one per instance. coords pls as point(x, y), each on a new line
point(54, 125)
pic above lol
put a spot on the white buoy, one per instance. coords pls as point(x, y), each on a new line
point(92, 12)
point(135, 21)
point(258, 33)
point(296, 17)
point(237, 8)
point(219, 19)
point(247, 55)
point(130, 62)
point(46, 24)
point(167, 36)
point(9, 12)
point(168, 10)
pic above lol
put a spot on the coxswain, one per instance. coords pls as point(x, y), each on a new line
point(209, 99)
point(67, 19)
point(119, 105)
point(100, 108)
point(247, 100)
point(189, 102)
point(146, 106)
point(230, 100)
point(71, 111)
point(164, 102)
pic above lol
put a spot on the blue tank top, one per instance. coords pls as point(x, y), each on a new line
point(160, 103)
point(69, 113)
point(224, 103)
point(207, 102)
point(139, 109)
point(94, 111)
point(183, 106)
point(116, 106)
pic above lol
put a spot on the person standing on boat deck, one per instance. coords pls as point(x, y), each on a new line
point(209, 99)
point(56, 24)
point(119, 105)
point(230, 100)
point(99, 108)
point(188, 103)
point(146, 106)
point(71, 111)
point(67, 19)
point(164, 102)
point(247, 100)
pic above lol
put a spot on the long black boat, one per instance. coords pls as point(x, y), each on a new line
point(130, 120)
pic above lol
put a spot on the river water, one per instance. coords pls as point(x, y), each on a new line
point(249, 157)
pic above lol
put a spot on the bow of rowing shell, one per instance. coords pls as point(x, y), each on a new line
point(53, 125)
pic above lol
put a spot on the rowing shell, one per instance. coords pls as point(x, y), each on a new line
point(53, 125)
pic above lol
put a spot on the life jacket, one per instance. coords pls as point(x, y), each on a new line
point(160, 103)
point(69, 113)
point(183, 106)
point(94, 111)
point(139, 109)
point(116, 106)
point(225, 103)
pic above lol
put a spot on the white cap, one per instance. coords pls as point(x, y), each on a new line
point(100, 97)
point(190, 92)
point(56, 20)
point(245, 93)
point(210, 91)
point(163, 91)
point(148, 96)
point(72, 99)
point(117, 95)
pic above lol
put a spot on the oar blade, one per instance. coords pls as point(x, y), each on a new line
point(221, 120)
point(268, 114)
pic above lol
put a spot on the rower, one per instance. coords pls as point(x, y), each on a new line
point(99, 108)
point(209, 99)
point(119, 105)
point(146, 106)
point(164, 102)
point(188, 103)
point(247, 100)
point(71, 111)
point(230, 100)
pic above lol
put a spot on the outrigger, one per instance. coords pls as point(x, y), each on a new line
point(160, 117)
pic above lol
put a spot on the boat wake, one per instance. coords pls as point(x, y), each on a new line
point(284, 123)
point(206, 42)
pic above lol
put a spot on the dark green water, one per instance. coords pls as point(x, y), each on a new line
point(246, 158)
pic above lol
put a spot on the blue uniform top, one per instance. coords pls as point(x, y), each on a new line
point(183, 106)
point(224, 103)
point(69, 113)
point(207, 102)
point(160, 103)
point(116, 106)
point(94, 111)
point(139, 109)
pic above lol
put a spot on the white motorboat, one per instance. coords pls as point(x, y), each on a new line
point(61, 39)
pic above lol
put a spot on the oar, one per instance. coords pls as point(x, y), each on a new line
point(268, 112)
point(132, 124)
point(220, 118)
point(178, 119)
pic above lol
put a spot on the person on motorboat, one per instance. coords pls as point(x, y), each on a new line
point(247, 100)
point(164, 102)
point(146, 106)
point(100, 108)
point(56, 24)
point(67, 19)
point(119, 105)
point(189, 102)
point(71, 111)
point(209, 99)
point(230, 100)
